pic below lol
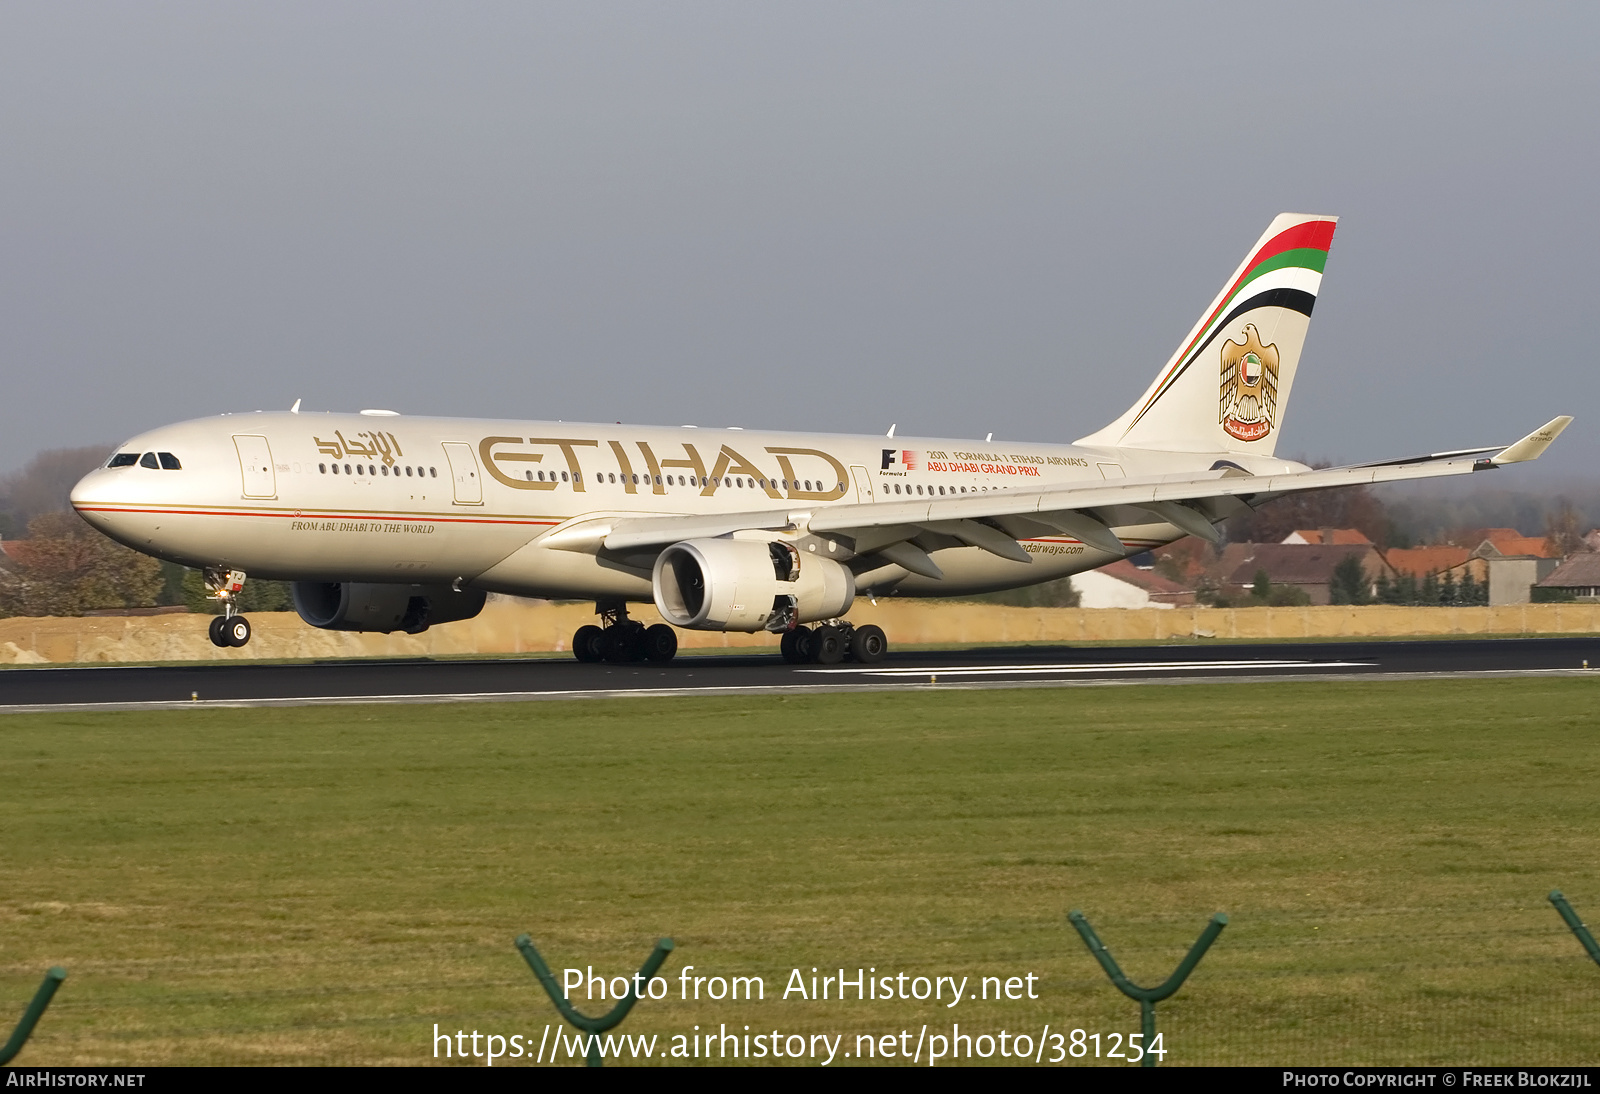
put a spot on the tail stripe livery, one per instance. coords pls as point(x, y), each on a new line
point(1302, 248)
point(1262, 311)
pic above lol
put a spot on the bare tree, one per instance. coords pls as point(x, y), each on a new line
point(43, 485)
point(1563, 530)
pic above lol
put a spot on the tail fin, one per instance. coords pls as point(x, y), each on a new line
point(1226, 388)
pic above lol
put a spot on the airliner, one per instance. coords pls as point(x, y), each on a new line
point(388, 522)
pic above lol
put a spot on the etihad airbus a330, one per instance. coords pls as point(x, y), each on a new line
point(386, 522)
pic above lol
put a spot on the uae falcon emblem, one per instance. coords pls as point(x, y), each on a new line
point(1249, 402)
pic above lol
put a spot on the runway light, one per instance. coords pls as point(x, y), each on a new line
point(194, 697)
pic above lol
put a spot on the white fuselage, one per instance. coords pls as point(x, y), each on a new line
point(417, 500)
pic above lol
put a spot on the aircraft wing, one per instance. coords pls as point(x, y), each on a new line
point(997, 520)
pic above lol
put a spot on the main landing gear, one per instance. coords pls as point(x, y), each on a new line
point(832, 642)
point(226, 629)
point(620, 640)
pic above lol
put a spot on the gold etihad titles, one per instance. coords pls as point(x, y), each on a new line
point(798, 478)
point(377, 446)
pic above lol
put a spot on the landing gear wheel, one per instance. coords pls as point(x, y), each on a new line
point(660, 643)
point(805, 645)
point(827, 645)
point(586, 643)
point(236, 631)
point(623, 643)
point(791, 645)
point(868, 644)
point(218, 638)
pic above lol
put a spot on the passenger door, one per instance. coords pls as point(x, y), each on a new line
point(255, 467)
point(464, 472)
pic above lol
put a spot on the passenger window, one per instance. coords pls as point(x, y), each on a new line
point(124, 459)
point(408, 471)
point(322, 468)
point(385, 470)
point(360, 470)
point(148, 460)
point(530, 475)
point(433, 472)
point(563, 476)
point(371, 470)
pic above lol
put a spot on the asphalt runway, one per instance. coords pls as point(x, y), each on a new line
point(514, 679)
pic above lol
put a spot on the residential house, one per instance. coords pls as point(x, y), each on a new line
point(1578, 575)
point(1306, 566)
point(1121, 584)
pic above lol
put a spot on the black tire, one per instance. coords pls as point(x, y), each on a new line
point(829, 645)
point(789, 645)
point(237, 631)
point(805, 645)
point(586, 643)
point(218, 639)
point(660, 643)
point(868, 644)
point(614, 646)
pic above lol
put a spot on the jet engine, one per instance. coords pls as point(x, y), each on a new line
point(748, 585)
point(365, 606)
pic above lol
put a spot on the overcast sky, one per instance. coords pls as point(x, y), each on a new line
point(957, 217)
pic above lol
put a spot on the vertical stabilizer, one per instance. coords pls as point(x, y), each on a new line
point(1226, 387)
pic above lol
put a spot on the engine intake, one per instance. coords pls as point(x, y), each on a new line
point(747, 585)
point(366, 606)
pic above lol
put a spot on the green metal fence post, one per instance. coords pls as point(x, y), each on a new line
point(1576, 924)
point(592, 1026)
point(30, 1017)
point(1147, 998)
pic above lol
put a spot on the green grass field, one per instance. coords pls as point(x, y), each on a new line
point(323, 884)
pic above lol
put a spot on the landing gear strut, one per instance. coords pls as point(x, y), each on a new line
point(832, 642)
point(227, 629)
point(619, 639)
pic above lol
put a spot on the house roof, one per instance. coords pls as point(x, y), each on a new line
point(1511, 546)
point(1300, 563)
point(1327, 536)
point(1422, 561)
point(1476, 536)
point(1148, 580)
point(1582, 570)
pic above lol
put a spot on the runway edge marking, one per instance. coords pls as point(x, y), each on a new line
point(810, 690)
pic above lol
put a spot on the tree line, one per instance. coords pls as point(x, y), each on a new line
point(68, 568)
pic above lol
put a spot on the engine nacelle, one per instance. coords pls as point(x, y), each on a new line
point(365, 606)
point(748, 585)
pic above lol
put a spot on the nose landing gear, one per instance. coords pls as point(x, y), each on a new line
point(620, 640)
point(226, 629)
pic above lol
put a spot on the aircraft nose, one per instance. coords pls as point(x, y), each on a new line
point(89, 495)
point(80, 492)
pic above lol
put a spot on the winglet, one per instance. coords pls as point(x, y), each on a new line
point(1533, 445)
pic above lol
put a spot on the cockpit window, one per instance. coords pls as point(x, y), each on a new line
point(148, 460)
point(124, 459)
point(169, 462)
